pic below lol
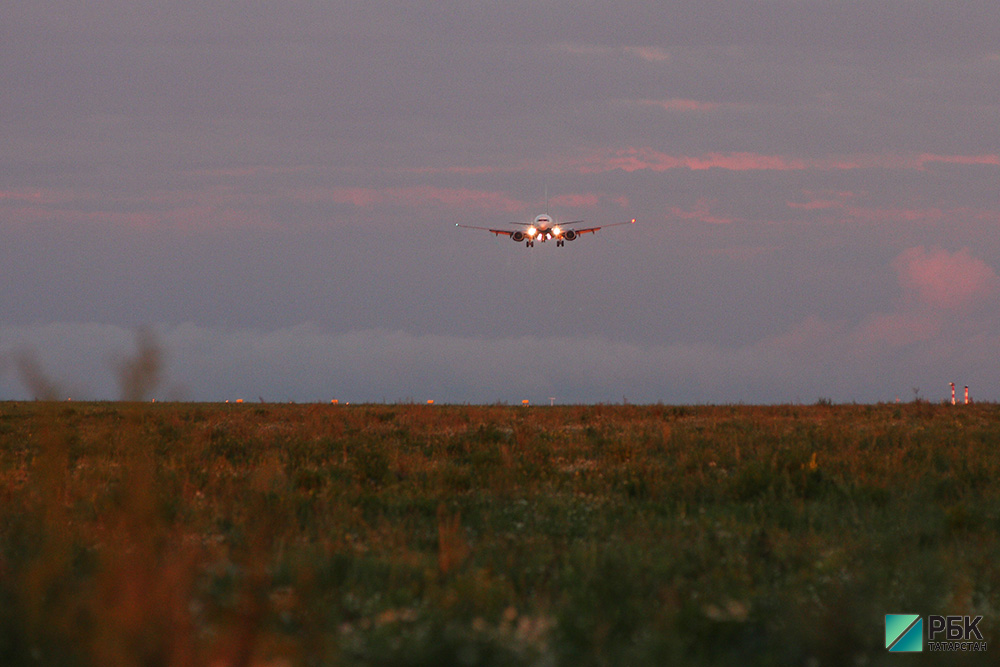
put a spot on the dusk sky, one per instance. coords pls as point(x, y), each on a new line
point(271, 189)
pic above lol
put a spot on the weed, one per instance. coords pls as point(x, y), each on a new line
point(412, 534)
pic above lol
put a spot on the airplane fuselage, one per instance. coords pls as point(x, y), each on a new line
point(544, 228)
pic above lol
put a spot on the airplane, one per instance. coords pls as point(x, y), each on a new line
point(545, 228)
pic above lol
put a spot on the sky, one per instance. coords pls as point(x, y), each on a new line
point(266, 194)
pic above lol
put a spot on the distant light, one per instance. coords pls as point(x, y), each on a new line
point(239, 400)
point(633, 221)
point(524, 402)
point(333, 401)
point(430, 401)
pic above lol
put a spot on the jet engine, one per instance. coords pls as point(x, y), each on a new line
point(517, 236)
point(569, 235)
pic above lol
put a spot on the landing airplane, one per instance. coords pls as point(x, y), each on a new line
point(544, 228)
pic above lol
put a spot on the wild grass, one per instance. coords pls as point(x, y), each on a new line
point(188, 534)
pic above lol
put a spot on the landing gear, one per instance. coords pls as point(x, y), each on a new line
point(560, 243)
point(529, 244)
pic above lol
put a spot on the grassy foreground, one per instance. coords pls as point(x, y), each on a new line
point(189, 534)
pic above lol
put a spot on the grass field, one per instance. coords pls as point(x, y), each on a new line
point(190, 534)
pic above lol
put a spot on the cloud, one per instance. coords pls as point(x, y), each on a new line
point(878, 359)
point(648, 159)
point(305, 363)
point(943, 280)
point(676, 104)
point(417, 196)
point(649, 53)
point(702, 213)
point(852, 206)
point(639, 159)
point(653, 54)
point(946, 299)
point(20, 195)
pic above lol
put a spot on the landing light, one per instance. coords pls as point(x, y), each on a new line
point(532, 231)
point(556, 231)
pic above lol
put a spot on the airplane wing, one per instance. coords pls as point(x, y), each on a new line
point(560, 237)
point(593, 230)
point(498, 232)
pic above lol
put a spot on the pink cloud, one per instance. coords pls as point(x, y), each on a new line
point(20, 195)
point(464, 170)
point(454, 198)
point(653, 54)
point(28, 215)
point(816, 205)
point(636, 159)
point(584, 200)
point(941, 294)
point(418, 196)
point(991, 159)
point(895, 329)
point(895, 214)
point(702, 213)
point(45, 196)
point(649, 159)
point(645, 158)
point(249, 171)
point(214, 207)
point(845, 203)
point(360, 197)
point(944, 280)
point(683, 105)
